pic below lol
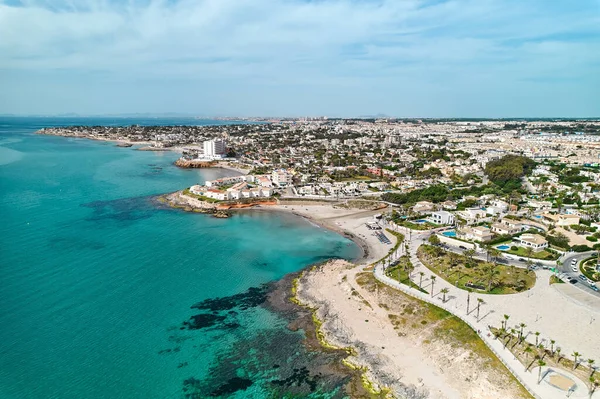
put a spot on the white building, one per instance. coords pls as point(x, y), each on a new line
point(442, 217)
point(280, 178)
point(214, 148)
point(534, 241)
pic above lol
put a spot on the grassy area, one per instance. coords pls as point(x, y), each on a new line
point(459, 271)
point(543, 254)
point(588, 268)
point(399, 272)
point(417, 226)
point(555, 280)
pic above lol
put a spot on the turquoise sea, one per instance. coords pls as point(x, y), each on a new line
point(106, 294)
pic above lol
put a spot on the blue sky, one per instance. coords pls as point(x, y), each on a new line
point(408, 58)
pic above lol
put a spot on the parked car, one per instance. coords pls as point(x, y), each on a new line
point(462, 247)
point(594, 288)
point(573, 281)
point(582, 277)
point(574, 268)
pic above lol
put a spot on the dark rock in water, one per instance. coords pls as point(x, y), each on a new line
point(299, 376)
point(253, 297)
point(232, 385)
point(199, 321)
point(195, 389)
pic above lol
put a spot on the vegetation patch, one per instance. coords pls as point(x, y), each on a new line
point(588, 268)
point(400, 272)
point(465, 272)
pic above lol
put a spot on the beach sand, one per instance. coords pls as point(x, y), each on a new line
point(396, 339)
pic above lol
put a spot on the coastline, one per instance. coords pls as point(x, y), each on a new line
point(362, 323)
point(405, 348)
point(125, 143)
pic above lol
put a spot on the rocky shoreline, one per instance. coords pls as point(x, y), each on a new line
point(284, 301)
point(178, 200)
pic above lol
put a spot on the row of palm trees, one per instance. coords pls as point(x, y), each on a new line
point(518, 332)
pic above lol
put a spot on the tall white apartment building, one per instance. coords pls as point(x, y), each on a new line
point(215, 148)
point(280, 178)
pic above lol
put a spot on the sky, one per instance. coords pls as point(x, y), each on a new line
point(404, 58)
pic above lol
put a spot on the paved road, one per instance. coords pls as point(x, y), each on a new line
point(566, 268)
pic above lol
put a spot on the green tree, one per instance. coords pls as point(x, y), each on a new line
point(541, 364)
point(479, 303)
point(444, 291)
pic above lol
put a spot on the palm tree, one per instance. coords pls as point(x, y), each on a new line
point(522, 326)
point(558, 353)
point(542, 348)
point(527, 351)
point(591, 365)
point(444, 291)
point(434, 240)
point(469, 253)
point(541, 364)
point(479, 303)
point(468, 298)
point(432, 284)
point(421, 274)
point(537, 336)
point(491, 281)
point(528, 252)
point(552, 342)
point(505, 322)
point(495, 254)
point(575, 356)
point(594, 385)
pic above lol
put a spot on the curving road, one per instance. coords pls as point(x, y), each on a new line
point(565, 268)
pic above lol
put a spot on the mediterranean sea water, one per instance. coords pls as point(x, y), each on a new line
point(97, 282)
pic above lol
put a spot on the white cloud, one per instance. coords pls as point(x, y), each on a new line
point(341, 43)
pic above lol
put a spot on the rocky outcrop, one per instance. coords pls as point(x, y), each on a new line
point(187, 163)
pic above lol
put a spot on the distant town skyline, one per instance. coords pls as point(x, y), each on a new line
point(344, 58)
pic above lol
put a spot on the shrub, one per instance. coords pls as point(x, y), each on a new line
point(580, 248)
point(591, 238)
point(514, 248)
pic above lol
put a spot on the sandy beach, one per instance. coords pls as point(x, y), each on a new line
point(349, 222)
point(396, 339)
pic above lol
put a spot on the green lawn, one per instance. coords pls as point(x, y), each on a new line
point(457, 270)
point(544, 255)
point(588, 268)
point(417, 226)
point(400, 273)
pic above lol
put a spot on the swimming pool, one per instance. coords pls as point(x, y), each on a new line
point(503, 247)
point(450, 233)
point(420, 221)
point(537, 216)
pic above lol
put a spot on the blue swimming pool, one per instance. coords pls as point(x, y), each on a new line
point(420, 221)
point(450, 233)
point(537, 216)
point(503, 247)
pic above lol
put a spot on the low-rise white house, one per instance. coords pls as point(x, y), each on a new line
point(442, 217)
point(534, 241)
point(472, 215)
point(478, 233)
point(506, 227)
point(562, 220)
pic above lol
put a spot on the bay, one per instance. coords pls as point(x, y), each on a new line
point(97, 281)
